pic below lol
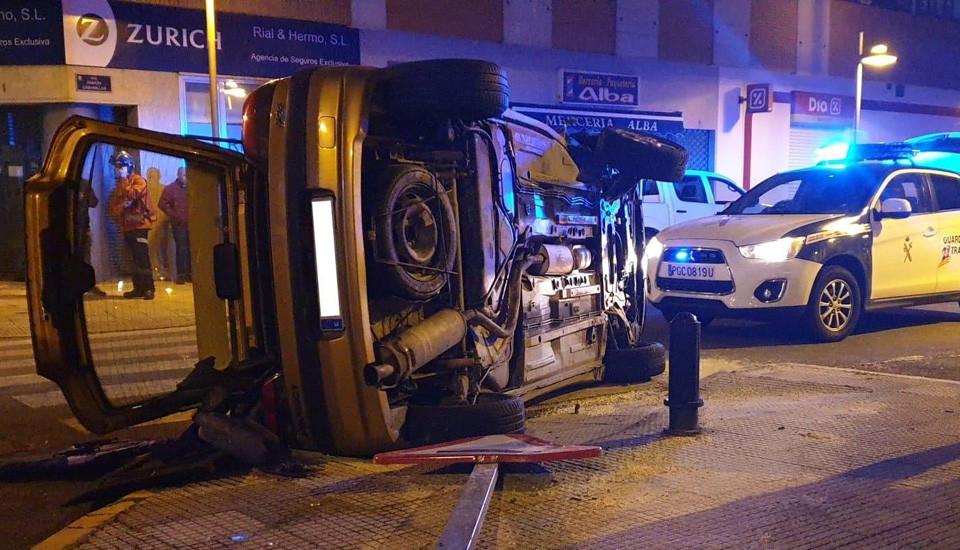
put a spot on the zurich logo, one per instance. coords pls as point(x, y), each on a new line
point(92, 29)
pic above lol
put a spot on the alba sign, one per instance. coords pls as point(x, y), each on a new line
point(611, 90)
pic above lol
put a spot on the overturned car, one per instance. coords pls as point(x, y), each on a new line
point(397, 258)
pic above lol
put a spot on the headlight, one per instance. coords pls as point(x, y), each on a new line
point(779, 250)
point(653, 249)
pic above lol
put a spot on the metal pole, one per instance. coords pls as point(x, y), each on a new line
point(212, 61)
point(747, 148)
point(859, 99)
point(463, 529)
point(683, 395)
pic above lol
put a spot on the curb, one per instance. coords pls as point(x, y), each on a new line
point(75, 533)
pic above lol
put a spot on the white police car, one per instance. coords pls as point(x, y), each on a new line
point(820, 245)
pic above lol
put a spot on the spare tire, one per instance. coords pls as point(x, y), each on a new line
point(633, 365)
point(638, 155)
point(417, 233)
point(493, 413)
point(438, 89)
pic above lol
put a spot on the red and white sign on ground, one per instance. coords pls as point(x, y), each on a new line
point(487, 449)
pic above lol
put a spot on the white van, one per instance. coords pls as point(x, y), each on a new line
point(697, 195)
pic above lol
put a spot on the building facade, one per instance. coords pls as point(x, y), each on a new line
point(679, 68)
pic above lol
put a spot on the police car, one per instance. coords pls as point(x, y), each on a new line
point(819, 246)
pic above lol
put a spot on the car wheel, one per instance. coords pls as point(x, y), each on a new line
point(834, 306)
point(493, 413)
point(465, 89)
point(633, 365)
point(642, 156)
point(416, 233)
point(705, 318)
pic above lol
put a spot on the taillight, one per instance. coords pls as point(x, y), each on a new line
point(256, 122)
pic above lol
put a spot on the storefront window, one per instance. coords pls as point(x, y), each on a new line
point(195, 105)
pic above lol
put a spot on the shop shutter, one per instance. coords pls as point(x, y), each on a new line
point(804, 143)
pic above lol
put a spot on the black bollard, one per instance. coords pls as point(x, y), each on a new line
point(683, 394)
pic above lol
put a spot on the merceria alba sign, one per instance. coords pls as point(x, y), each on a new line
point(611, 90)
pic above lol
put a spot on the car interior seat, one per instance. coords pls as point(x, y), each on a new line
point(688, 193)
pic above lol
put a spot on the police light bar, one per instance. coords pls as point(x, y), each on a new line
point(328, 284)
point(881, 151)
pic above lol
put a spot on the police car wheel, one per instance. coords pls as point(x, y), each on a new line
point(834, 306)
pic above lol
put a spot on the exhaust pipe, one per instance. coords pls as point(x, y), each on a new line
point(413, 348)
point(403, 354)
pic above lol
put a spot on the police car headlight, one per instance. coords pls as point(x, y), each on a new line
point(779, 250)
point(653, 249)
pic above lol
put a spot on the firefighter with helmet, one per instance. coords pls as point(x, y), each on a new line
point(133, 209)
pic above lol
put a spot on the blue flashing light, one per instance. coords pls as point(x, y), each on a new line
point(833, 152)
point(238, 538)
point(682, 255)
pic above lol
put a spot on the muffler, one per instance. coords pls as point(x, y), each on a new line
point(416, 346)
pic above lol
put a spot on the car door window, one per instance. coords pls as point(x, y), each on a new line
point(690, 189)
point(947, 191)
point(651, 191)
point(149, 234)
point(723, 191)
point(912, 187)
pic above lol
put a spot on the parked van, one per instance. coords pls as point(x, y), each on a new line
point(697, 195)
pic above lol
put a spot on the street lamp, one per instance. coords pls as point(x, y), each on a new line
point(879, 57)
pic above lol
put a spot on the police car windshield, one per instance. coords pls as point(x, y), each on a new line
point(811, 191)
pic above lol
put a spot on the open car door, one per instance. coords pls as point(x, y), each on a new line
point(120, 354)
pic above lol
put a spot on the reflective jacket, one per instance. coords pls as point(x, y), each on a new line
point(131, 204)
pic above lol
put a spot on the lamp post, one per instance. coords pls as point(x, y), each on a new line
point(878, 58)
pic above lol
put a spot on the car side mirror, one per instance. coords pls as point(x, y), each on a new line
point(894, 208)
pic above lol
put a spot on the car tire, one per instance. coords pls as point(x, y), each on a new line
point(835, 290)
point(642, 156)
point(408, 275)
point(634, 365)
point(704, 318)
point(493, 413)
point(438, 89)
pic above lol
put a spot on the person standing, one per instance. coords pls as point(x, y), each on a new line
point(131, 205)
point(174, 203)
point(88, 200)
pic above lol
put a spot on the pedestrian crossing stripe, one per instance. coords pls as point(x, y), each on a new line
point(128, 370)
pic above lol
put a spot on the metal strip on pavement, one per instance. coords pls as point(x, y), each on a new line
point(463, 529)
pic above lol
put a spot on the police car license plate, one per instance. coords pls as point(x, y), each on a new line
point(700, 272)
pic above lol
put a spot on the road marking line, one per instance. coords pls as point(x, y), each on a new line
point(161, 366)
point(105, 358)
point(184, 416)
point(54, 398)
point(75, 533)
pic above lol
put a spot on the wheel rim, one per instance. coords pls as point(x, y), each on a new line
point(836, 305)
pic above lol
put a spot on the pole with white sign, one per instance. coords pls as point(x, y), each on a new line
point(212, 60)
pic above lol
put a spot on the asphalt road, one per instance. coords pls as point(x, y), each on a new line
point(919, 341)
point(914, 341)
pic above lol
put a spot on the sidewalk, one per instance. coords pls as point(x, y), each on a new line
point(14, 320)
point(792, 457)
